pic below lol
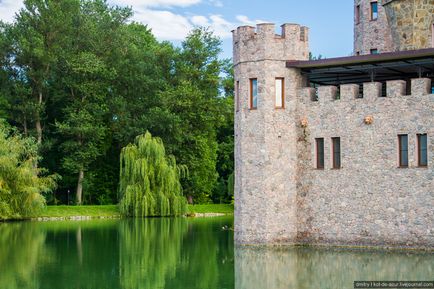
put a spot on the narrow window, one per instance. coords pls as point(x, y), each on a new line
point(374, 10)
point(253, 93)
point(374, 51)
point(358, 14)
point(319, 153)
point(280, 93)
point(237, 96)
point(403, 150)
point(422, 150)
point(336, 142)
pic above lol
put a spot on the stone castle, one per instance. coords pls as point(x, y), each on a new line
point(337, 151)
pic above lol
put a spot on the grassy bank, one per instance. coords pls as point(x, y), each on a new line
point(211, 208)
point(71, 211)
point(113, 210)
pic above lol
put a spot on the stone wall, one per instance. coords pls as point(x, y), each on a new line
point(411, 23)
point(281, 198)
point(371, 34)
point(369, 200)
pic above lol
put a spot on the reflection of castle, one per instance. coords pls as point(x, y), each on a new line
point(307, 268)
point(337, 151)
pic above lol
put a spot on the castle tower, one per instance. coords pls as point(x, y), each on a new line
point(411, 22)
point(372, 33)
point(265, 131)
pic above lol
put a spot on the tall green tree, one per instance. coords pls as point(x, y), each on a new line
point(192, 100)
point(38, 33)
point(86, 79)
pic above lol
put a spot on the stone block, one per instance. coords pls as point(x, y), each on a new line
point(350, 91)
point(372, 90)
point(327, 93)
point(420, 86)
point(307, 94)
point(396, 88)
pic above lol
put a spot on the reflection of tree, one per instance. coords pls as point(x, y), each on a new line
point(21, 253)
point(87, 255)
point(150, 250)
point(206, 257)
point(176, 253)
point(303, 268)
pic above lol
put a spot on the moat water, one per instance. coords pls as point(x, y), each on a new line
point(181, 254)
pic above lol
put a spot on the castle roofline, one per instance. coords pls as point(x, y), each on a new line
point(365, 68)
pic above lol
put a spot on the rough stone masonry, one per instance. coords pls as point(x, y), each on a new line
point(281, 197)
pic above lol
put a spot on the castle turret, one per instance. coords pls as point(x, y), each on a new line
point(265, 131)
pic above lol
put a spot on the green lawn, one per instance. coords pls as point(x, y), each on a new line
point(70, 211)
point(113, 210)
point(211, 208)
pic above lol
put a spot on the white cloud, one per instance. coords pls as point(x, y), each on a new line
point(216, 3)
point(200, 20)
point(164, 24)
point(244, 20)
point(8, 8)
point(157, 3)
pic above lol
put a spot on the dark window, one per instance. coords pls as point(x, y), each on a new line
point(358, 14)
point(374, 10)
point(374, 51)
point(253, 93)
point(336, 142)
point(422, 150)
point(403, 150)
point(237, 95)
point(319, 153)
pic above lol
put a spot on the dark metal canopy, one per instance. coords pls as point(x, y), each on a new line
point(365, 68)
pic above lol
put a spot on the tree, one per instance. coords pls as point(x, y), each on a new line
point(86, 79)
point(38, 33)
point(21, 182)
point(193, 104)
point(149, 180)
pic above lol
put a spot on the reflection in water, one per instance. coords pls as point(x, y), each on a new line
point(119, 254)
point(180, 254)
point(150, 251)
point(306, 268)
point(21, 252)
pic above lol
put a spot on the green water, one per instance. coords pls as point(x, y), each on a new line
point(180, 254)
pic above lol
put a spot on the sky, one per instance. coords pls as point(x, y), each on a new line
point(330, 22)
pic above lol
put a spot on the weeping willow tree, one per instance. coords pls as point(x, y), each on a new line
point(149, 180)
point(21, 181)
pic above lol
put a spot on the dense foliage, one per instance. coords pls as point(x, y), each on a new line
point(149, 180)
point(21, 183)
point(84, 81)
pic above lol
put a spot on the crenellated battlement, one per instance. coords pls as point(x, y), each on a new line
point(262, 43)
point(370, 91)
